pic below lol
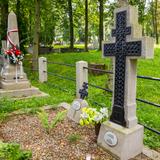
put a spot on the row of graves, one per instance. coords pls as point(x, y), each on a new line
point(121, 134)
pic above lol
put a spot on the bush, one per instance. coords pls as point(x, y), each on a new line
point(12, 151)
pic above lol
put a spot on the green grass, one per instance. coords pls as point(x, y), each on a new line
point(73, 138)
point(67, 46)
point(63, 90)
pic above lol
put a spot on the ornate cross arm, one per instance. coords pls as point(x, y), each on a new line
point(108, 49)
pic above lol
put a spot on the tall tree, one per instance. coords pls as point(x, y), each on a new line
point(71, 24)
point(86, 25)
point(22, 23)
point(4, 17)
point(36, 34)
point(156, 22)
point(154, 9)
point(100, 23)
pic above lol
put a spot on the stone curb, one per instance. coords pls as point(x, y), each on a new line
point(151, 153)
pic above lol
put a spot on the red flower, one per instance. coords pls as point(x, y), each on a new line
point(17, 52)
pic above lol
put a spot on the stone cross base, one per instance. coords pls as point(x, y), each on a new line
point(75, 110)
point(22, 93)
point(10, 85)
point(125, 143)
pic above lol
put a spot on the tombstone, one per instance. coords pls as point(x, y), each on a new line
point(122, 135)
point(14, 82)
point(95, 42)
point(75, 110)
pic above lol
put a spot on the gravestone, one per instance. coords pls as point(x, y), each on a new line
point(95, 42)
point(14, 82)
point(122, 2)
point(122, 135)
point(75, 110)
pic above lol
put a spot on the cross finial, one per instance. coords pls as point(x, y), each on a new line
point(83, 92)
point(122, 2)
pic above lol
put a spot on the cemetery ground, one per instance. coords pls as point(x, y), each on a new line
point(21, 122)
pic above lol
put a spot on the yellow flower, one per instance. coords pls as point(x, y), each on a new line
point(81, 122)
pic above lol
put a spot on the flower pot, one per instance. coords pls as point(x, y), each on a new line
point(97, 129)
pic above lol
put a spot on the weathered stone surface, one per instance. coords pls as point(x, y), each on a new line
point(22, 93)
point(13, 81)
point(75, 114)
point(65, 105)
point(81, 76)
point(13, 74)
point(43, 69)
point(130, 140)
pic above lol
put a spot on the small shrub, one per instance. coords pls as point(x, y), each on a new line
point(12, 151)
point(73, 138)
point(44, 118)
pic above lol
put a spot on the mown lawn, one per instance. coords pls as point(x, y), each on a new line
point(61, 90)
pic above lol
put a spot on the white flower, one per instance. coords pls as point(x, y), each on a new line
point(84, 115)
point(98, 117)
point(93, 109)
point(104, 111)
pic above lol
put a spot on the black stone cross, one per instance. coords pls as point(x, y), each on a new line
point(83, 92)
point(120, 50)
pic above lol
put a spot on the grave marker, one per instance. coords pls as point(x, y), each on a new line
point(14, 82)
point(13, 73)
point(75, 110)
point(126, 46)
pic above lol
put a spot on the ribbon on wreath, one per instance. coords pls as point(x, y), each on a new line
point(14, 54)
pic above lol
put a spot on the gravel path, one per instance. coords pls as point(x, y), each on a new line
point(29, 133)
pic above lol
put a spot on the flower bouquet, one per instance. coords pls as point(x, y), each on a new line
point(91, 116)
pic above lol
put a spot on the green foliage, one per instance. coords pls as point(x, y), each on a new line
point(58, 118)
point(44, 118)
point(12, 151)
point(73, 138)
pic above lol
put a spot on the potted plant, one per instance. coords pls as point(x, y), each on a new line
point(92, 116)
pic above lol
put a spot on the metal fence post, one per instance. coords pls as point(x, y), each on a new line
point(42, 69)
point(81, 75)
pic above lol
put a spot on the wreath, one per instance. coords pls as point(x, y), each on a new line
point(14, 54)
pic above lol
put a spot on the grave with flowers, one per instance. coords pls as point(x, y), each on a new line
point(13, 80)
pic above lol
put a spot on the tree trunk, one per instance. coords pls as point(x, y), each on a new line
point(4, 18)
point(153, 19)
point(19, 21)
point(36, 35)
point(71, 24)
point(30, 27)
point(86, 25)
point(100, 23)
point(156, 22)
